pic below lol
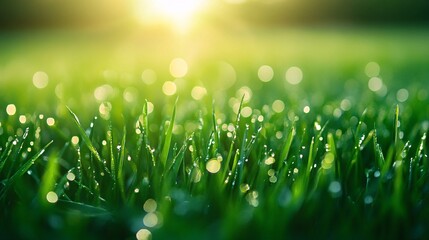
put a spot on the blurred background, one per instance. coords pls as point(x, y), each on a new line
point(92, 53)
point(79, 13)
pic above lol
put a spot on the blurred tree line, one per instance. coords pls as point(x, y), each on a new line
point(63, 13)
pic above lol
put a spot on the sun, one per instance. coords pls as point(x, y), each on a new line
point(178, 13)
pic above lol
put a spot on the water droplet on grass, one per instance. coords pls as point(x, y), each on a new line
point(52, 197)
point(335, 187)
point(269, 161)
point(213, 165)
point(317, 126)
point(271, 172)
point(244, 187)
point(50, 121)
point(75, 140)
point(22, 119)
point(377, 174)
point(71, 176)
point(306, 109)
point(368, 200)
point(273, 179)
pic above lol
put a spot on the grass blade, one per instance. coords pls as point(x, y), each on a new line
point(120, 175)
point(286, 148)
point(23, 169)
point(82, 209)
point(49, 177)
point(168, 136)
point(396, 131)
point(86, 139)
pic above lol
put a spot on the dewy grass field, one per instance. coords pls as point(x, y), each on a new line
point(266, 134)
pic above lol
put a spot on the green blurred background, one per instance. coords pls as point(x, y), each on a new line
point(51, 13)
point(84, 45)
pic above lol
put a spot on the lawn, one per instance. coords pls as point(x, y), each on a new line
point(219, 134)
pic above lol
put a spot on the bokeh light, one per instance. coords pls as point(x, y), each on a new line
point(278, 106)
point(375, 84)
point(178, 68)
point(294, 75)
point(213, 165)
point(150, 205)
point(50, 121)
point(198, 92)
point(148, 76)
point(265, 73)
point(169, 88)
point(11, 109)
point(402, 95)
point(372, 69)
point(40, 79)
point(51, 197)
point(144, 234)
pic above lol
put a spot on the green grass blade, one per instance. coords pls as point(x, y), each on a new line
point(168, 137)
point(379, 157)
point(16, 154)
point(286, 148)
point(215, 132)
point(23, 169)
point(6, 154)
point(333, 149)
point(396, 124)
point(243, 154)
point(120, 174)
point(49, 177)
point(86, 139)
point(311, 156)
point(111, 153)
point(82, 209)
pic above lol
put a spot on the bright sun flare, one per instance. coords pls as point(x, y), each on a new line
point(178, 13)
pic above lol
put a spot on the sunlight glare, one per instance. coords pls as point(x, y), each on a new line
point(177, 13)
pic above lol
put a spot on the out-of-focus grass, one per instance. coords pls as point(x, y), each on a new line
point(327, 158)
point(330, 58)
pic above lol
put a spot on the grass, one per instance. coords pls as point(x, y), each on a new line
point(327, 158)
